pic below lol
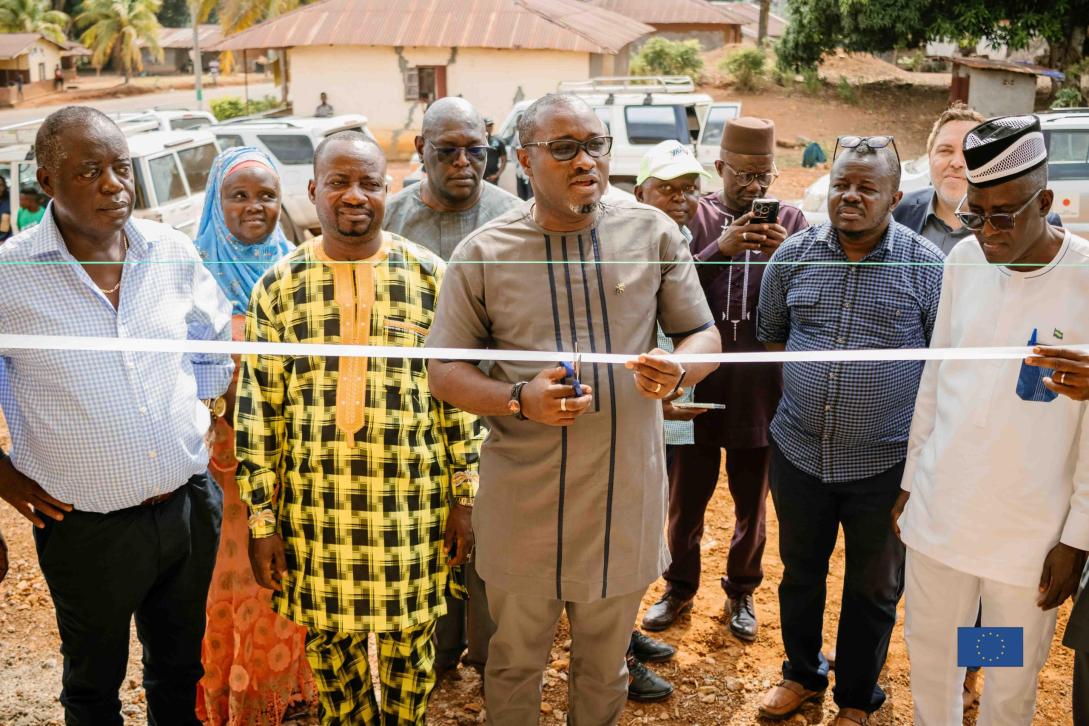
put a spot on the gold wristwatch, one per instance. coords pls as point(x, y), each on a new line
point(464, 501)
point(216, 406)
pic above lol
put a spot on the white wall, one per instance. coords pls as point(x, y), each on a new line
point(996, 93)
point(43, 52)
point(368, 80)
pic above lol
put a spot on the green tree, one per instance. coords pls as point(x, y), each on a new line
point(175, 14)
point(33, 16)
point(115, 28)
point(819, 26)
point(660, 56)
point(747, 66)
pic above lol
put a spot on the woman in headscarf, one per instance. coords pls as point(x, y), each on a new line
point(255, 668)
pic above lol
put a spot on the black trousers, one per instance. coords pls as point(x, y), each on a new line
point(152, 562)
point(810, 514)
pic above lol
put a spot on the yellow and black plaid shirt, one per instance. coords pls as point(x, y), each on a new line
point(351, 460)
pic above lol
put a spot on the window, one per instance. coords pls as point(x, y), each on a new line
point(228, 141)
point(425, 83)
point(715, 124)
point(166, 179)
point(289, 149)
point(142, 194)
point(193, 122)
point(1068, 154)
point(654, 124)
point(197, 163)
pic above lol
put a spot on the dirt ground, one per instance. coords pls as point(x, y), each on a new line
point(719, 680)
point(85, 88)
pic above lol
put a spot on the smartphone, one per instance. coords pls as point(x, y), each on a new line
point(765, 211)
point(710, 406)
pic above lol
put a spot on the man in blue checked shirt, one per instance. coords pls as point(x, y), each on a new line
point(108, 458)
point(839, 436)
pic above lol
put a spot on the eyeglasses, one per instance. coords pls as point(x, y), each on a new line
point(869, 142)
point(745, 178)
point(999, 220)
point(567, 149)
point(450, 154)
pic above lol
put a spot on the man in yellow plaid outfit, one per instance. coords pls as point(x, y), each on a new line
point(360, 484)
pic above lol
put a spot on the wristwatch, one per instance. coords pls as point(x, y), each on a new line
point(514, 405)
point(216, 406)
point(464, 501)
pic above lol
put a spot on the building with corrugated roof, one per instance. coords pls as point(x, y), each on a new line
point(27, 64)
point(177, 45)
point(390, 60)
point(712, 26)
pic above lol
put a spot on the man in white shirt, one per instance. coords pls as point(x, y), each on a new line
point(995, 501)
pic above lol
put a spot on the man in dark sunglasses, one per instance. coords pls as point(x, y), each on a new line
point(570, 511)
point(995, 500)
point(452, 200)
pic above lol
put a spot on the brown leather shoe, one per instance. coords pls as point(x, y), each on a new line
point(786, 698)
point(851, 717)
point(665, 612)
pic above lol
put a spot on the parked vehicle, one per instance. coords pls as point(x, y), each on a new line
point(639, 112)
point(1066, 132)
point(290, 143)
point(165, 119)
point(170, 170)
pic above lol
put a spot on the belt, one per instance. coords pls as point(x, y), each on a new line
point(159, 499)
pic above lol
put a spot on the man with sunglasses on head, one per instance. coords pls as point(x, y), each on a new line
point(839, 436)
point(571, 507)
point(450, 202)
point(723, 231)
point(995, 501)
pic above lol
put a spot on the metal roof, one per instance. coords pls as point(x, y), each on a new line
point(670, 12)
point(569, 25)
point(749, 14)
point(988, 64)
point(182, 38)
point(13, 45)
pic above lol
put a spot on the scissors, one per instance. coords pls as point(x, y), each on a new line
point(574, 371)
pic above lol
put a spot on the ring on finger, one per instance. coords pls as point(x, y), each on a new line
point(658, 388)
point(745, 236)
point(1061, 378)
point(563, 404)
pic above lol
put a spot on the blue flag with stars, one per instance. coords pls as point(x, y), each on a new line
point(990, 647)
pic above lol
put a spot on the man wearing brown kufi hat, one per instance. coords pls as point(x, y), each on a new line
point(723, 232)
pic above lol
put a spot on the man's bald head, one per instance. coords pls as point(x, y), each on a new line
point(364, 143)
point(448, 112)
point(49, 144)
point(528, 125)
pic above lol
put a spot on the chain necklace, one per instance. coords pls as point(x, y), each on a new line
point(744, 293)
point(115, 288)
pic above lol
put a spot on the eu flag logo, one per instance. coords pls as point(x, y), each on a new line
point(990, 647)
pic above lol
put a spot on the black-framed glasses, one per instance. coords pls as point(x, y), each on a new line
point(450, 154)
point(567, 149)
point(998, 220)
point(745, 178)
point(870, 142)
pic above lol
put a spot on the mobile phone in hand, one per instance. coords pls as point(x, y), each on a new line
point(765, 211)
point(705, 406)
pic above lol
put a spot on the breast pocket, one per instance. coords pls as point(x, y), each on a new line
point(409, 374)
point(804, 306)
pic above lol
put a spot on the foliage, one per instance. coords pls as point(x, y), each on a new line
point(747, 66)
point(1068, 97)
point(811, 80)
point(115, 29)
point(819, 26)
point(175, 14)
point(660, 56)
point(238, 15)
point(846, 91)
point(233, 106)
point(33, 16)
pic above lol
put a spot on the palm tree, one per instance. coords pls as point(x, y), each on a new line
point(116, 28)
point(33, 16)
point(238, 15)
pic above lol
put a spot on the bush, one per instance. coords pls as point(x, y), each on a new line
point(747, 66)
point(811, 80)
point(232, 107)
point(1067, 98)
point(660, 56)
point(846, 91)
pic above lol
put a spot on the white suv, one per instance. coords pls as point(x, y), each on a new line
point(290, 143)
point(639, 112)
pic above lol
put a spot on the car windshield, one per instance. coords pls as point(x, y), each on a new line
point(190, 122)
point(289, 149)
point(654, 124)
point(1068, 154)
point(714, 124)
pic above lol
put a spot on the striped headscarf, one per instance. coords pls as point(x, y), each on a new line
point(236, 266)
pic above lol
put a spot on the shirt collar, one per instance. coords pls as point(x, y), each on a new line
point(931, 215)
point(827, 234)
point(46, 238)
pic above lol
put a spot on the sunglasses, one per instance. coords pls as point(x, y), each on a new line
point(567, 149)
point(869, 142)
point(745, 178)
point(450, 154)
point(999, 220)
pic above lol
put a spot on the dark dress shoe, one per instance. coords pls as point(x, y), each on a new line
point(644, 684)
point(742, 617)
point(665, 612)
point(649, 650)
